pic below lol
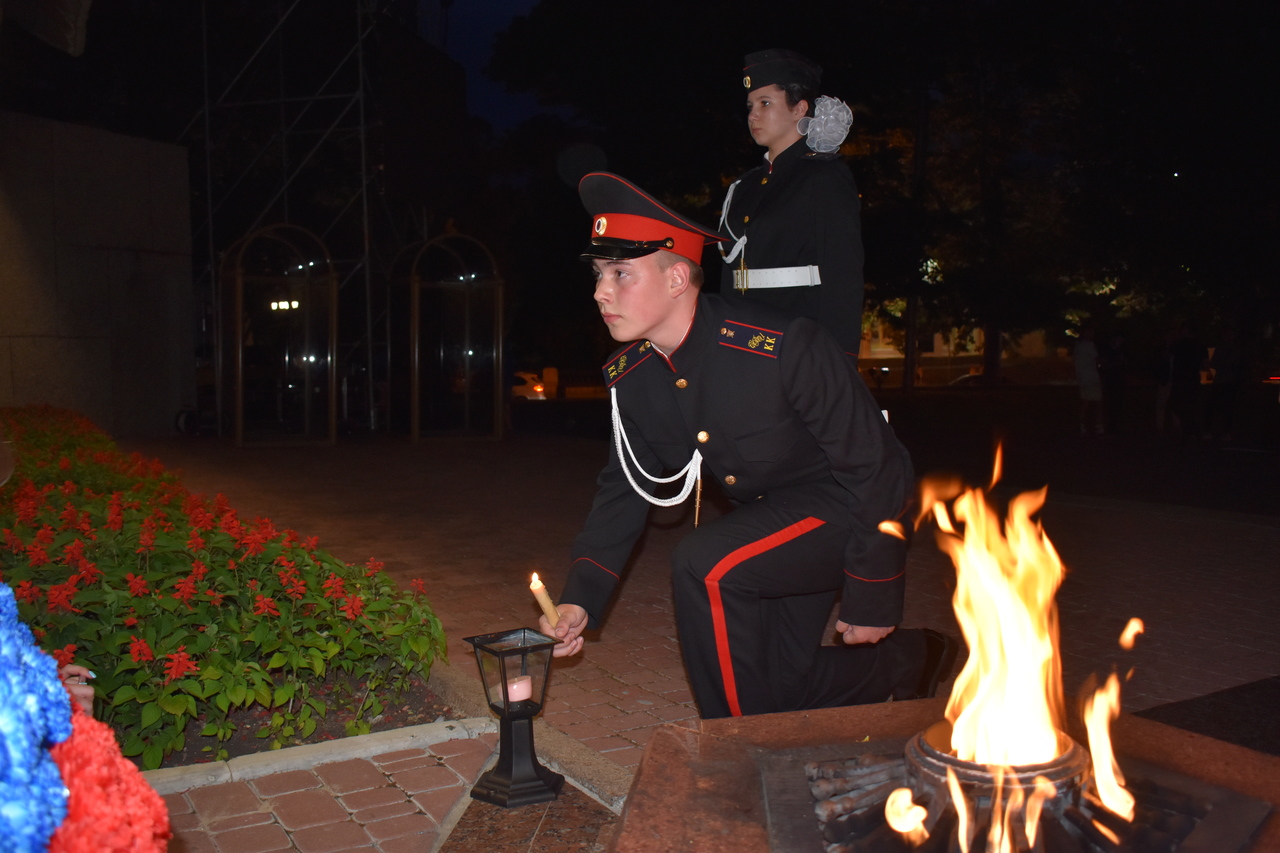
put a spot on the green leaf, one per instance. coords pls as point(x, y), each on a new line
point(123, 694)
point(236, 693)
point(174, 703)
point(277, 660)
point(152, 756)
point(223, 702)
point(284, 693)
point(150, 714)
point(209, 731)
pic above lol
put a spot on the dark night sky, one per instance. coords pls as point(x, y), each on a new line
point(466, 31)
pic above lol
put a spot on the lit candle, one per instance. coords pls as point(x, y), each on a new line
point(520, 688)
point(544, 601)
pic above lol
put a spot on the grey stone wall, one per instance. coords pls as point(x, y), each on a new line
point(96, 304)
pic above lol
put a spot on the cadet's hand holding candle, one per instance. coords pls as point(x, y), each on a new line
point(544, 601)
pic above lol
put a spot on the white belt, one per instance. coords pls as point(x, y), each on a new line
point(752, 279)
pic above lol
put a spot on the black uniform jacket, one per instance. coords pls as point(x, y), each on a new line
point(803, 209)
point(780, 414)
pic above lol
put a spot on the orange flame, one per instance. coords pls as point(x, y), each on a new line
point(905, 817)
point(1045, 790)
point(893, 528)
point(1099, 710)
point(1131, 632)
point(1006, 705)
point(962, 810)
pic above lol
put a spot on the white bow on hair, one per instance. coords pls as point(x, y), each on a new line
point(828, 126)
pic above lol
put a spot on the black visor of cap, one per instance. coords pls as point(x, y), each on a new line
point(612, 249)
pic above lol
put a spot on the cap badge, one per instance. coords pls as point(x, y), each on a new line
point(746, 82)
point(601, 223)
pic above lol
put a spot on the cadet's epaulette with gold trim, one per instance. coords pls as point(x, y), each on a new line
point(748, 338)
point(626, 361)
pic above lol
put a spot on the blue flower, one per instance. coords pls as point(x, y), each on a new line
point(35, 713)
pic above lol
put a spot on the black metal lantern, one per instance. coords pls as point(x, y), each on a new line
point(514, 666)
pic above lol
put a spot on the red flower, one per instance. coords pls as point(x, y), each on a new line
point(419, 588)
point(65, 655)
point(28, 592)
point(13, 542)
point(137, 585)
point(334, 586)
point(353, 607)
point(215, 598)
point(372, 567)
point(115, 512)
point(110, 806)
point(264, 606)
point(230, 524)
point(147, 537)
point(310, 543)
point(36, 556)
point(199, 570)
point(253, 584)
point(69, 515)
point(179, 664)
point(184, 589)
point(139, 650)
point(62, 596)
point(64, 464)
point(195, 541)
point(130, 621)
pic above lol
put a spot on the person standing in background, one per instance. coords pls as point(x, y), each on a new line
point(1086, 364)
point(795, 218)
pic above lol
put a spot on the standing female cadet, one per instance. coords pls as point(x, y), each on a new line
point(795, 217)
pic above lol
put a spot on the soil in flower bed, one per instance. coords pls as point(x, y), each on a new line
point(415, 706)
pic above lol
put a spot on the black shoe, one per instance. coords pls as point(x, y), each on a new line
point(939, 657)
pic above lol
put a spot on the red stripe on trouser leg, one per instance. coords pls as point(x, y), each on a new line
point(718, 623)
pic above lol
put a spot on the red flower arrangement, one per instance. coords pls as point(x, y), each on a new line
point(110, 807)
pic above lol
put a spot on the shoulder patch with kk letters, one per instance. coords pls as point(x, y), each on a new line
point(626, 361)
point(748, 338)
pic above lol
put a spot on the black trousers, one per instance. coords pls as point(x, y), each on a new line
point(753, 591)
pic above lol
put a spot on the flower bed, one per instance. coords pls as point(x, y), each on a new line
point(185, 610)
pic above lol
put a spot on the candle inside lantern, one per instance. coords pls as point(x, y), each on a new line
point(520, 688)
point(544, 601)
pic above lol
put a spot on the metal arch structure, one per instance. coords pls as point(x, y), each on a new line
point(292, 262)
point(464, 269)
point(300, 128)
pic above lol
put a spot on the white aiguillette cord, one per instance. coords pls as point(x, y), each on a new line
point(692, 472)
point(739, 242)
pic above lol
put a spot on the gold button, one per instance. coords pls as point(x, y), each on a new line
point(730, 480)
point(746, 219)
point(704, 437)
point(682, 383)
point(764, 180)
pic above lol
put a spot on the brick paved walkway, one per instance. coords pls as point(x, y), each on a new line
point(473, 518)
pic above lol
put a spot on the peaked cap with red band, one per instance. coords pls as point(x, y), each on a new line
point(627, 222)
